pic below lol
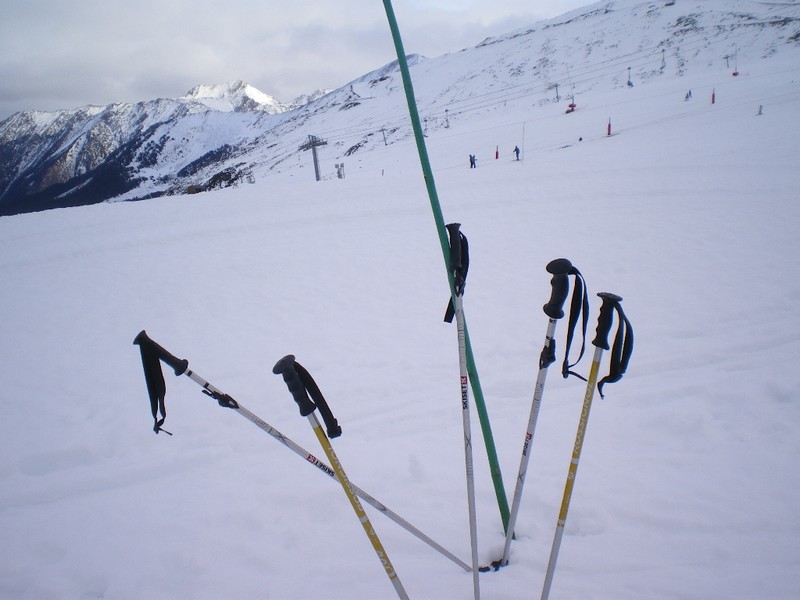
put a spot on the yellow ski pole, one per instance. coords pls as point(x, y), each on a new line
point(300, 384)
point(623, 346)
point(152, 353)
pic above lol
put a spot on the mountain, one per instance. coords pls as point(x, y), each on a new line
point(90, 154)
point(222, 135)
point(238, 96)
point(235, 96)
point(688, 482)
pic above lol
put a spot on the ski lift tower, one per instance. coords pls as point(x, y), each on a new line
point(312, 143)
point(571, 106)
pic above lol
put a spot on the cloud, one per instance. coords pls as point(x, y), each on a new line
point(56, 54)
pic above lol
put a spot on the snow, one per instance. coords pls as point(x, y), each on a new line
point(687, 486)
point(227, 97)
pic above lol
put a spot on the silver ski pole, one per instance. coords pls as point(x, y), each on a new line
point(181, 368)
point(459, 261)
point(560, 269)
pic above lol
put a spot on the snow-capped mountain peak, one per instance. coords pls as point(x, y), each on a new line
point(234, 96)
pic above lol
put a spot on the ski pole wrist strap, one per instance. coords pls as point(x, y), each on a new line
point(579, 308)
point(152, 355)
point(458, 266)
point(301, 385)
point(622, 347)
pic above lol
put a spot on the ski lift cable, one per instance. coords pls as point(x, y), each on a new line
point(647, 56)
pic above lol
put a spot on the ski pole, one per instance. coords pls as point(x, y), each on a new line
point(430, 184)
point(300, 384)
point(623, 347)
point(560, 269)
point(151, 348)
point(459, 264)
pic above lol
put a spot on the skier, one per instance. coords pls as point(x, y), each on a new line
point(516, 151)
point(473, 162)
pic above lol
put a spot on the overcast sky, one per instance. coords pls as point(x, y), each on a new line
point(67, 53)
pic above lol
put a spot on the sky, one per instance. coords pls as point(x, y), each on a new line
point(688, 485)
point(56, 54)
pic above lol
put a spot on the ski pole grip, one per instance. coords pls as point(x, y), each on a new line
point(178, 364)
point(286, 368)
point(610, 302)
point(455, 246)
point(559, 283)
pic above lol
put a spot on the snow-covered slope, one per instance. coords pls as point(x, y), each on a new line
point(687, 487)
point(239, 133)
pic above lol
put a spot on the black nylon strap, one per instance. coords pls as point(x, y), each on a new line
point(459, 276)
point(156, 386)
point(331, 425)
point(578, 305)
point(450, 312)
point(621, 351)
point(548, 354)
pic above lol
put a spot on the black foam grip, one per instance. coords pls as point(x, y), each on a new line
point(610, 301)
point(286, 368)
point(559, 283)
point(455, 246)
point(178, 364)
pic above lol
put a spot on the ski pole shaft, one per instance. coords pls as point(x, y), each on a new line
point(559, 285)
point(526, 447)
point(458, 264)
point(470, 471)
point(573, 470)
point(357, 508)
point(287, 368)
point(601, 343)
point(324, 468)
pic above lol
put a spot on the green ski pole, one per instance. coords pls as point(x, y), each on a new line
point(480, 404)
